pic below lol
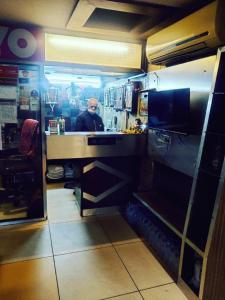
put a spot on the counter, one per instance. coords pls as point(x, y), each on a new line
point(108, 163)
point(94, 144)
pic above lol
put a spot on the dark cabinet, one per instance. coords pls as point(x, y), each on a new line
point(206, 201)
point(193, 209)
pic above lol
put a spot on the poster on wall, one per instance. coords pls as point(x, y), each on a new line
point(26, 44)
point(120, 98)
point(8, 81)
point(112, 96)
point(29, 88)
point(8, 92)
point(143, 104)
point(1, 144)
point(8, 113)
point(129, 97)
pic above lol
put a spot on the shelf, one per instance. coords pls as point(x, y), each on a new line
point(218, 93)
point(216, 115)
point(158, 236)
point(194, 247)
point(202, 209)
point(208, 172)
point(146, 90)
point(7, 99)
point(214, 133)
point(60, 180)
point(192, 269)
point(172, 216)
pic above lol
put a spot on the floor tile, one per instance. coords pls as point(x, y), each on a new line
point(165, 292)
point(102, 211)
point(77, 236)
point(132, 296)
point(22, 242)
point(142, 265)
point(91, 275)
point(118, 230)
point(60, 193)
point(61, 205)
point(28, 280)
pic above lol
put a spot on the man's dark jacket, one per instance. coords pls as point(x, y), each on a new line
point(89, 122)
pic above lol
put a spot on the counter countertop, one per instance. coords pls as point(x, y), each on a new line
point(90, 133)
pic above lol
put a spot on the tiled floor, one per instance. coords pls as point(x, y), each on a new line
point(69, 258)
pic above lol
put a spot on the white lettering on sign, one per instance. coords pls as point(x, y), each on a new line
point(20, 42)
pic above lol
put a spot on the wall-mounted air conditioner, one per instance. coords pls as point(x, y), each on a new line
point(197, 33)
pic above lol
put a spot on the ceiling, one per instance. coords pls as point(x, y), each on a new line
point(132, 20)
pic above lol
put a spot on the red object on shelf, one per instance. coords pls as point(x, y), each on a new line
point(9, 72)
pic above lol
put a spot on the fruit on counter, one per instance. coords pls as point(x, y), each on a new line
point(133, 131)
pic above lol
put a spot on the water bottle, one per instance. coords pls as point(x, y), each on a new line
point(61, 125)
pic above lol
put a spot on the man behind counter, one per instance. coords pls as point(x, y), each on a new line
point(86, 121)
point(89, 120)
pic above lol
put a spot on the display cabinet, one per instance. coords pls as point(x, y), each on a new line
point(206, 201)
point(22, 187)
point(193, 208)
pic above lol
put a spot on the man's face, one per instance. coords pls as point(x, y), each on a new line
point(92, 106)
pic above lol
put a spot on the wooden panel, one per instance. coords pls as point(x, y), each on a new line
point(215, 274)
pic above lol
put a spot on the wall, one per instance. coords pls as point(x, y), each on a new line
point(125, 119)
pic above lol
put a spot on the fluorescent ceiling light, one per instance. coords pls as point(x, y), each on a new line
point(84, 43)
point(68, 78)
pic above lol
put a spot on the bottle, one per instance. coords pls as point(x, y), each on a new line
point(61, 125)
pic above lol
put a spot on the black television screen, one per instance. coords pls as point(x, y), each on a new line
point(169, 110)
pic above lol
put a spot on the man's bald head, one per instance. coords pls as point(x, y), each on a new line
point(92, 105)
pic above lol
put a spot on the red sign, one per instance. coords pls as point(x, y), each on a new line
point(8, 72)
point(21, 44)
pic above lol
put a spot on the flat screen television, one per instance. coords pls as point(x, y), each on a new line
point(169, 110)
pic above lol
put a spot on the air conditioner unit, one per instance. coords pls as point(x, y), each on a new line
point(197, 33)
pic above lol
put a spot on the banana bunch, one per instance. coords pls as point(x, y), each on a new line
point(132, 131)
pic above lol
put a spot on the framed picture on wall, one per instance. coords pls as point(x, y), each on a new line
point(131, 96)
point(120, 98)
point(112, 96)
point(106, 98)
point(143, 104)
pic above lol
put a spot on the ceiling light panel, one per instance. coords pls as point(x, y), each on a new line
point(70, 49)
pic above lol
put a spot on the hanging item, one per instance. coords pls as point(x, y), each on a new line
point(131, 96)
point(143, 104)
